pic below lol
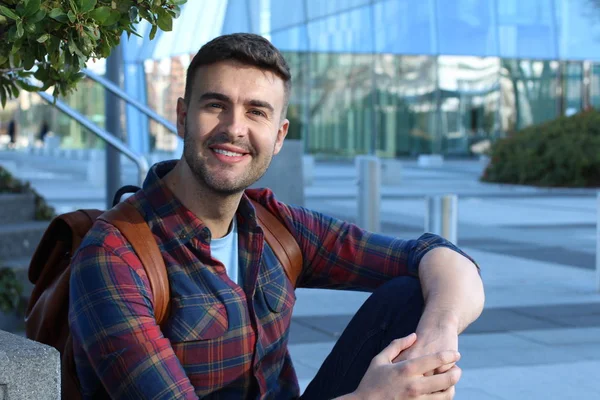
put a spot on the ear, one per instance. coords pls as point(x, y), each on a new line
point(281, 134)
point(181, 116)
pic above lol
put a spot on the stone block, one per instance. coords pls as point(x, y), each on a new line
point(28, 370)
point(16, 207)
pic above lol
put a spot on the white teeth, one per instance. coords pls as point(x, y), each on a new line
point(227, 153)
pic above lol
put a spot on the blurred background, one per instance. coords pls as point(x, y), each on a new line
point(474, 119)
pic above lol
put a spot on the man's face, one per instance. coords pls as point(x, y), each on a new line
point(232, 125)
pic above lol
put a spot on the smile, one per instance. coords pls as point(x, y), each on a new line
point(227, 153)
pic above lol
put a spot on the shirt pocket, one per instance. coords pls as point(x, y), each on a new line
point(278, 292)
point(196, 318)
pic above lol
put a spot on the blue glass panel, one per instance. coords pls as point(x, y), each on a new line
point(286, 14)
point(578, 29)
point(346, 32)
point(319, 8)
point(466, 27)
point(238, 17)
point(293, 39)
point(526, 29)
point(404, 27)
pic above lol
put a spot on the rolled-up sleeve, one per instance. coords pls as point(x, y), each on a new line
point(338, 254)
point(117, 342)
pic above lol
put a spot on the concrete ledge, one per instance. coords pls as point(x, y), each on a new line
point(431, 160)
point(391, 172)
point(28, 370)
point(16, 207)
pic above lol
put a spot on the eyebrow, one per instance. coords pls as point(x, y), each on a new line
point(225, 98)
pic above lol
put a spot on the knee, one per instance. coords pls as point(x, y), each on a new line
point(403, 290)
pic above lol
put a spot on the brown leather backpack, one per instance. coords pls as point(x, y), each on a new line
point(46, 319)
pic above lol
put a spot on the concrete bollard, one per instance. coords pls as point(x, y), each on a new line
point(598, 243)
point(308, 162)
point(28, 370)
point(441, 216)
point(369, 193)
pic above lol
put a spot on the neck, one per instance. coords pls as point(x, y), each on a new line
point(215, 210)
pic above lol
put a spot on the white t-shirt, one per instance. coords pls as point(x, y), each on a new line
point(225, 249)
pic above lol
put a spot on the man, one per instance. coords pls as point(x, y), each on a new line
point(231, 303)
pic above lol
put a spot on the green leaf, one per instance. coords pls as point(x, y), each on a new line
point(27, 86)
point(37, 17)
point(7, 12)
point(16, 47)
point(113, 18)
point(134, 14)
point(15, 89)
point(3, 59)
point(43, 38)
point(31, 7)
point(58, 15)
point(165, 21)
point(179, 2)
point(175, 12)
point(20, 30)
point(87, 6)
point(100, 14)
point(73, 5)
point(28, 60)
point(153, 32)
point(41, 74)
point(74, 49)
point(72, 16)
point(2, 96)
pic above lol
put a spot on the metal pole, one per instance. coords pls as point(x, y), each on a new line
point(139, 160)
point(598, 242)
point(441, 216)
point(369, 193)
point(113, 124)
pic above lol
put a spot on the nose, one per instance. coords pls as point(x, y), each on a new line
point(234, 123)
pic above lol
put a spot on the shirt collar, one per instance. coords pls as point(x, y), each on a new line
point(177, 218)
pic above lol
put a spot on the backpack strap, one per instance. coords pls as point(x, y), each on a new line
point(132, 225)
point(281, 241)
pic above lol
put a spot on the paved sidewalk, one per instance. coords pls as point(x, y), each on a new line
point(539, 336)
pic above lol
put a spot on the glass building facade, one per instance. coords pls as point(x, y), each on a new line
point(390, 77)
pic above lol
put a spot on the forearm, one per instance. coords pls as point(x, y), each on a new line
point(452, 290)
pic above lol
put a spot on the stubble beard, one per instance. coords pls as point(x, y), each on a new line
point(222, 187)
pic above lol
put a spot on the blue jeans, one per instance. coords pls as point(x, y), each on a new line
point(391, 312)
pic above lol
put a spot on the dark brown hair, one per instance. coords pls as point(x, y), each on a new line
point(246, 48)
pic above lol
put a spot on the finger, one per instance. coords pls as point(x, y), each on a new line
point(441, 383)
point(395, 347)
point(447, 394)
point(444, 368)
point(431, 362)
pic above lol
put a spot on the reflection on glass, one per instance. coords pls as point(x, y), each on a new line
point(529, 93)
point(572, 87)
point(470, 98)
point(595, 86)
point(405, 104)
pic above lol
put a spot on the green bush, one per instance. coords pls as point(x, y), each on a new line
point(9, 184)
point(561, 153)
point(10, 291)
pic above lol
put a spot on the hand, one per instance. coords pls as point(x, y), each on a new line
point(430, 341)
point(405, 380)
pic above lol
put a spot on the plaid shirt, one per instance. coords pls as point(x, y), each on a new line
point(220, 340)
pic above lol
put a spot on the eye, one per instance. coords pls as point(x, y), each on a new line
point(258, 113)
point(214, 105)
